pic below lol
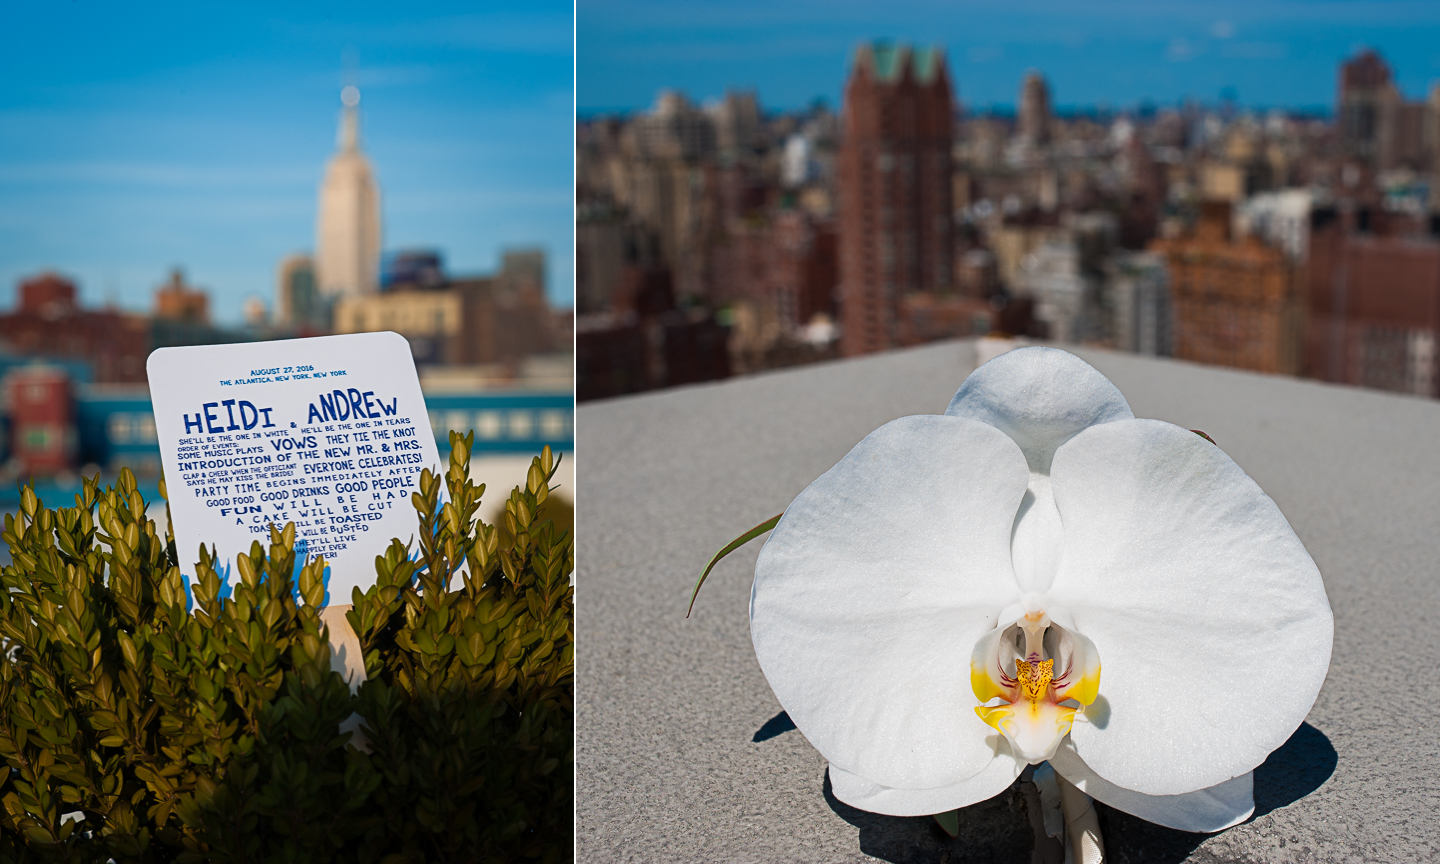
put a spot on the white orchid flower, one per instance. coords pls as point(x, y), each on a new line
point(1039, 576)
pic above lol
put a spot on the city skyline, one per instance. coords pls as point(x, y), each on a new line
point(1180, 233)
point(198, 138)
point(1115, 54)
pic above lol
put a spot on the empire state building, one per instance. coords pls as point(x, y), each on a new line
point(347, 241)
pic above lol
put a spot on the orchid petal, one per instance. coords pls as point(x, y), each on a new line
point(1040, 397)
point(1210, 617)
point(1216, 808)
point(859, 792)
point(872, 591)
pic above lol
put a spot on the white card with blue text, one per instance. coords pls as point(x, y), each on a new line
point(330, 433)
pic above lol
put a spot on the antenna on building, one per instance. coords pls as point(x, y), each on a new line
point(349, 138)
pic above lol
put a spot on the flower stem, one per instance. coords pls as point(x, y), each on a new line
point(1082, 824)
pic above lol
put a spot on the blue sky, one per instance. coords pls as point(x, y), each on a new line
point(1099, 52)
point(139, 136)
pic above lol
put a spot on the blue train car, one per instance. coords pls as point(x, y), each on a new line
point(513, 423)
point(116, 425)
point(116, 428)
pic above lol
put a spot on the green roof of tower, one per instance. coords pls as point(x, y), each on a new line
point(886, 56)
point(925, 62)
point(888, 60)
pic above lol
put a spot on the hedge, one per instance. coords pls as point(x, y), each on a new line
point(141, 725)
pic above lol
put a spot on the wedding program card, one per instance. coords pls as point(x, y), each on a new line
point(330, 433)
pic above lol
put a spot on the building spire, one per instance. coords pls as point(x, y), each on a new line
point(349, 138)
point(347, 243)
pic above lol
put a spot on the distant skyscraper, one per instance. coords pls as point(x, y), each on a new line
point(894, 190)
point(738, 123)
point(1035, 109)
point(675, 129)
point(297, 303)
point(1367, 105)
point(347, 237)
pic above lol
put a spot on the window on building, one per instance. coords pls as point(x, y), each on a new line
point(38, 439)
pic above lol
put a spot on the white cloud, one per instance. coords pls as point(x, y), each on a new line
point(1182, 49)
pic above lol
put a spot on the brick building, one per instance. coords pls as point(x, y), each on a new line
point(1236, 304)
point(788, 262)
point(894, 190)
point(1374, 309)
point(631, 354)
point(930, 317)
point(1376, 123)
point(805, 272)
point(50, 323)
point(176, 301)
point(42, 418)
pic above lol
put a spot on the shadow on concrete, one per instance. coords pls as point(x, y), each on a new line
point(774, 727)
point(1299, 767)
point(996, 831)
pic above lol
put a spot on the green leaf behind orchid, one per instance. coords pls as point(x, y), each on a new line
point(731, 547)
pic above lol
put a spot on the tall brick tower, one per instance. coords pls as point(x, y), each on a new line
point(894, 193)
point(1367, 107)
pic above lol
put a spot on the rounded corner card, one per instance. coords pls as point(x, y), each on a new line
point(330, 433)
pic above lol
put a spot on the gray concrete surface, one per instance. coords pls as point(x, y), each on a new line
point(682, 754)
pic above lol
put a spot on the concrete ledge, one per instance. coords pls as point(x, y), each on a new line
point(684, 755)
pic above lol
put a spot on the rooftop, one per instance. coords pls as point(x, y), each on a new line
point(888, 60)
point(684, 754)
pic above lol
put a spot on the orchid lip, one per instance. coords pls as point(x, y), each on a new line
point(1037, 673)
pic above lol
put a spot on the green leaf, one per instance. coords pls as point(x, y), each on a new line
point(731, 547)
point(949, 822)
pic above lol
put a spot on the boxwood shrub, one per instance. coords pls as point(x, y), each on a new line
point(140, 724)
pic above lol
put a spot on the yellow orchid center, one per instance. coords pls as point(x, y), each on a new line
point(1016, 664)
point(1035, 678)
